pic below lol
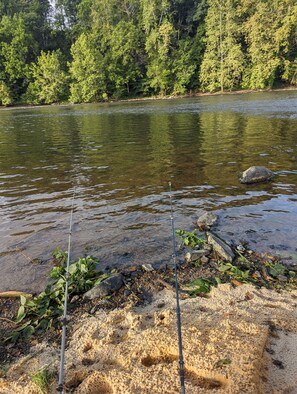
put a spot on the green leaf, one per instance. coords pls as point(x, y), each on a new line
point(72, 268)
point(21, 314)
point(23, 300)
point(277, 269)
point(224, 268)
point(28, 331)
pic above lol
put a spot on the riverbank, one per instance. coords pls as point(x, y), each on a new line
point(162, 97)
point(238, 321)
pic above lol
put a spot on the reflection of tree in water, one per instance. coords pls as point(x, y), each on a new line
point(161, 158)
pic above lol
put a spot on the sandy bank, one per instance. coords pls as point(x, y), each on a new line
point(236, 340)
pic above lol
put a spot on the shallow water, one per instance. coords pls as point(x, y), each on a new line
point(118, 159)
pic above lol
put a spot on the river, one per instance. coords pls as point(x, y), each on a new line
point(118, 159)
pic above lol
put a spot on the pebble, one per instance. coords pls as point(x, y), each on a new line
point(93, 310)
point(147, 267)
point(213, 264)
point(282, 278)
point(187, 257)
point(204, 260)
point(240, 248)
point(74, 299)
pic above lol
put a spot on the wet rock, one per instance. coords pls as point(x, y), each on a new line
point(220, 247)
point(108, 286)
point(240, 248)
point(256, 174)
point(205, 221)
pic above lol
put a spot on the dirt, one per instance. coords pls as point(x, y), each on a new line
point(239, 338)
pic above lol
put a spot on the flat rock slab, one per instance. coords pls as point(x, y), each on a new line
point(256, 174)
point(220, 247)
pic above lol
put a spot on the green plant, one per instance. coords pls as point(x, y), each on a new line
point(42, 379)
point(43, 309)
point(234, 272)
point(276, 269)
point(199, 286)
point(190, 238)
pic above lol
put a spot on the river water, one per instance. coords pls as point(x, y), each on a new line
point(119, 158)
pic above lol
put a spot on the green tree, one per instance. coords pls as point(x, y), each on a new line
point(125, 50)
point(223, 62)
point(158, 48)
point(50, 81)
point(87, 71)
point(270, 32)
point(14, 55)
point(5, 96)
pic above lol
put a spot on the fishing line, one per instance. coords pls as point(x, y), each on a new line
point(64, 320)
point(179, 332)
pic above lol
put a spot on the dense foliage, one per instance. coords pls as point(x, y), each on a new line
point(93, 50)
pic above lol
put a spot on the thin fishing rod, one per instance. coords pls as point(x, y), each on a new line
point(179, 332)
point(64, 321)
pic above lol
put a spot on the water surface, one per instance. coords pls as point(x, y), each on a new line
point(118, 159)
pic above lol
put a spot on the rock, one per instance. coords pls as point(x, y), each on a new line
point(282, 278)
point(108, 286)
point(240, 248)
point(208, 247)
point(197, 254)
point(147, 267)
point(220, 247)
point(256, 174)
point(74, 299)
point(204, 260)
point(205, 221)
point(213, 264)
point(93, 310)
point(187, 257)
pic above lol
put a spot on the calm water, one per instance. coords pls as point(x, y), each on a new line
point(119, 158)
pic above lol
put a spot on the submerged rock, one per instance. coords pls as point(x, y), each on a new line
point(205, 221)
point(108, 286)
point(220, 247)
point(256, 174)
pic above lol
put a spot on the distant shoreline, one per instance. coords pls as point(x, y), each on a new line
point(144, 98)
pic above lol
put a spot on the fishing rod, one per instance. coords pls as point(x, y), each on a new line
point(64, 320)
point(179, 332)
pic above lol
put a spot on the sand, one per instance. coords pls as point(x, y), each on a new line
point(236, 340)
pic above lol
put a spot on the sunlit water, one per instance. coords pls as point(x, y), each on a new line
point(118, 158)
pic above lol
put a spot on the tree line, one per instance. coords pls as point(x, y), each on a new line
point(95, 50)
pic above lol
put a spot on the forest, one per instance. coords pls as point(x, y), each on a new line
point(82, 51)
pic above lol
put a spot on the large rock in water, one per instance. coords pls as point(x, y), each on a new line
point(256, 174)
